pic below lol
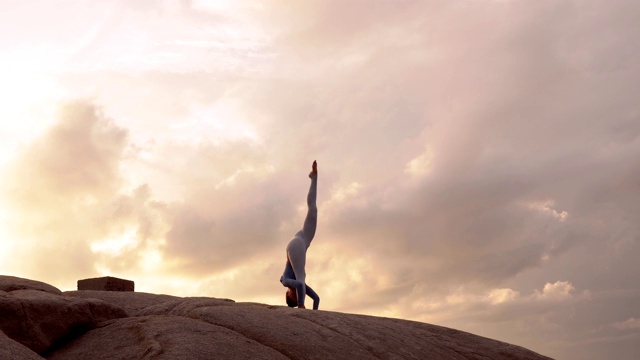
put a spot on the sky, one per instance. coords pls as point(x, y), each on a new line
point(479, 160)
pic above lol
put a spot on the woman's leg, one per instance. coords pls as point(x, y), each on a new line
point(297, 254)
point(311, 221)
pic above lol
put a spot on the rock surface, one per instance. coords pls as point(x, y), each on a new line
point(164, 337)
point(128, 325)
point(132, 303)
point(10, 350)
point(12, 283)
point(39, 320)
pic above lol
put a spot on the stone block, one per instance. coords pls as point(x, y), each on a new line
point(106, 283)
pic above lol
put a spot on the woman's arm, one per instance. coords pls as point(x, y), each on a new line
point(312, 294)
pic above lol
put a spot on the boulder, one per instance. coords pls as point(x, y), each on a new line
point(183, 306)
point(163, 337)
point(12, 283)
point(127, 325)
point(11, 350)
point(403, 339)
point(41, 320)
point(300, 334)
point(132, 303)
point(272, 327)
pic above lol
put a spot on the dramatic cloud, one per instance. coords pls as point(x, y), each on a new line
point(56, 183)
point(629, 324)
point(478, 159)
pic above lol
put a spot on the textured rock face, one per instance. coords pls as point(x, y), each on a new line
point(164, 337)
point(12, 283)
point(127, 325)
point(132, 303)
point(39, 320)
point(11, 350)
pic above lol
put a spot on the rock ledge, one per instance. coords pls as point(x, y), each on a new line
point(37, 322)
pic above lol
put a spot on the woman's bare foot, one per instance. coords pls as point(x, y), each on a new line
point(314, 169)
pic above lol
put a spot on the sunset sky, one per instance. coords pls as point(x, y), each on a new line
point(479, 159)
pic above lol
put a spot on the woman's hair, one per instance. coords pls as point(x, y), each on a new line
point(290, 303)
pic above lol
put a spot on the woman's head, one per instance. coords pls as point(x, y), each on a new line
point(291, 297)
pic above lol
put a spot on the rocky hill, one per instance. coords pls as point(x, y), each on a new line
point(39, 321)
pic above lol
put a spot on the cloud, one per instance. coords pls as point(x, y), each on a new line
point(235, 206)
point(557, 291)
point(53, 187)
point(80, 155)
point(498, 296)
point(71, 211)
point(499, 300)
point(629, 324)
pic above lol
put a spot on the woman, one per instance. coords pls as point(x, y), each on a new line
point(294, 272)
